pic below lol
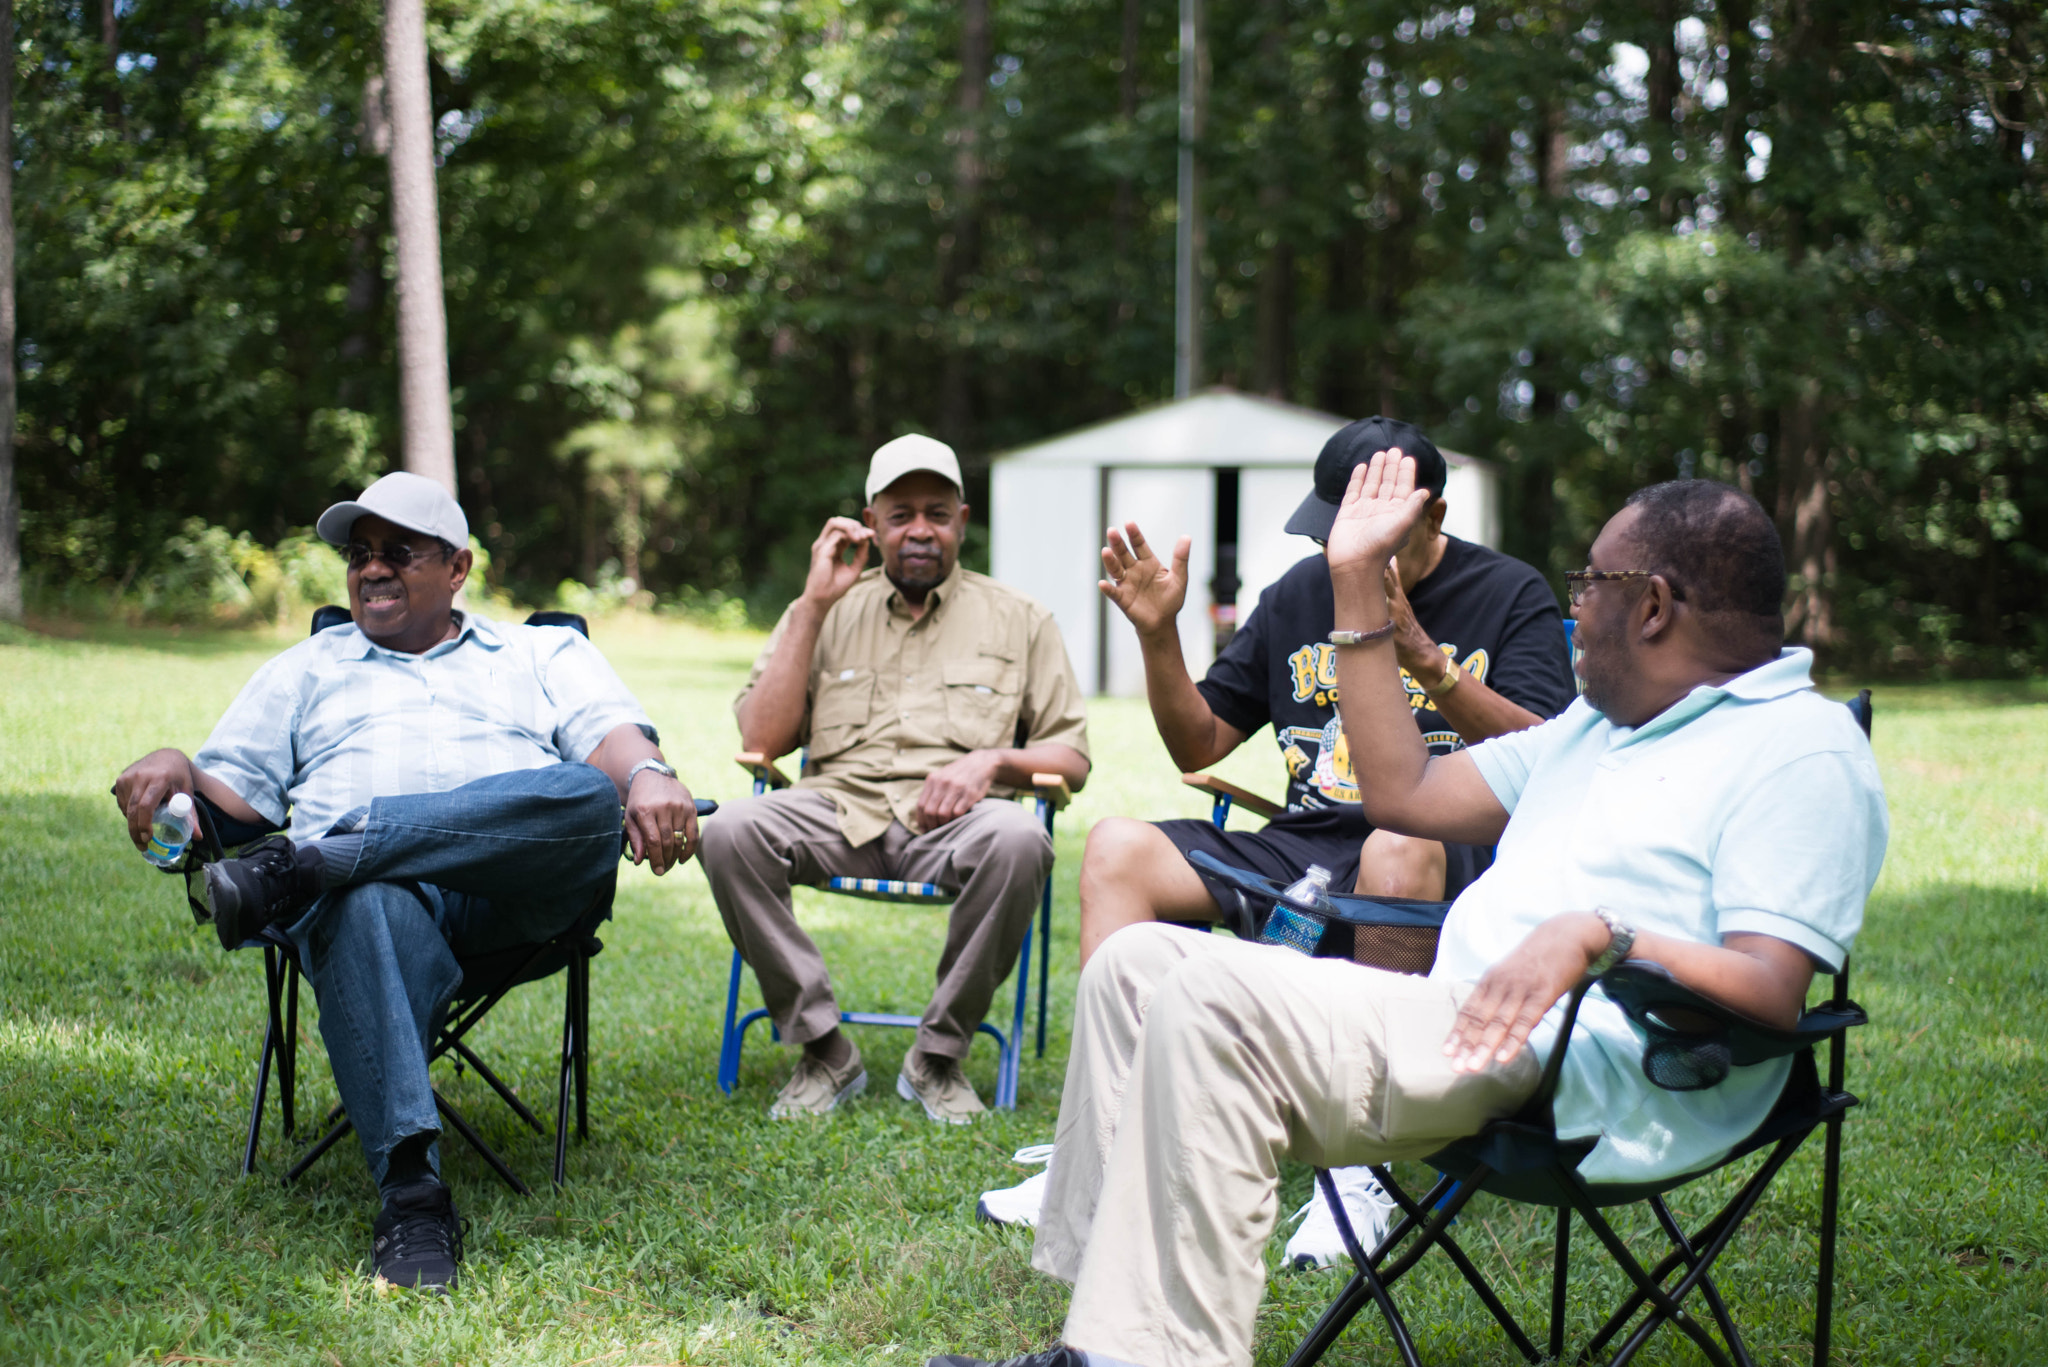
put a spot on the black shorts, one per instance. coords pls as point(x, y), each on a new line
point(1284, 849)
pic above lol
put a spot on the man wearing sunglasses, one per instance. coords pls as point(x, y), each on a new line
point(452, 786)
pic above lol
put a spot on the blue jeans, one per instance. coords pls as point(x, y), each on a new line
point(509, 860)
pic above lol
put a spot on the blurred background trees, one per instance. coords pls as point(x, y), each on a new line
point(701, 256)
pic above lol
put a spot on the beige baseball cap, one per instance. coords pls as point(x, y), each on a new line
point(413, 502)
point(893, 460)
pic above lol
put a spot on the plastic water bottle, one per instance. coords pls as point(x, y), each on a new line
point(1302, 914)
point(170, 831)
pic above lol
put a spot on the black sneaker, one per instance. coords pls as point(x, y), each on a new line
point(417, 1240)
point(1051, 1357)
point(270, 881)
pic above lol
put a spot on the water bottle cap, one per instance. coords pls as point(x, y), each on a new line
point(180, 804)
point(1319, 873)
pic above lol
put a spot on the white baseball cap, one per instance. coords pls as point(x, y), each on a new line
point(413, 502)
point(893, 460)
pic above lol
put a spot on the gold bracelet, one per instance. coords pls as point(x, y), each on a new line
point(1444, 685)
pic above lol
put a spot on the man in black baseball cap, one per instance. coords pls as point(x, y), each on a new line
point(1482, 652)
point(1352, 446)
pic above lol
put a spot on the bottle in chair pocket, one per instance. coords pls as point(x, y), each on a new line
point(1302, 914)
point(170, 832)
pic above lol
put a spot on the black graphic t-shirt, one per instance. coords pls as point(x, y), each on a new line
point(1489, 612)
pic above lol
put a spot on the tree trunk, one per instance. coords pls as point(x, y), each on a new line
point(429, 428)
point(1123, 208)
point(1806, 520)
point(1189, 237)
point(10, 493)
point(962, 256)
point(1272, 369)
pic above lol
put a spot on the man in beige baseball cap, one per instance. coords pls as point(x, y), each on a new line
point(926, 696)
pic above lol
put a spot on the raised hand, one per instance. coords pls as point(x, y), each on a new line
point(1143, 587)
point(1380, 508)
point(832, 569)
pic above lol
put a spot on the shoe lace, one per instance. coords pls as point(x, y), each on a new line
point(426, 1233)
point(277, 876)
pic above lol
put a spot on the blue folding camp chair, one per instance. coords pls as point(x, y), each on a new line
point(1051, 794)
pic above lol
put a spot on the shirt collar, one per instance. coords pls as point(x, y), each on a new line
point(468, 627)
point(1790, 673)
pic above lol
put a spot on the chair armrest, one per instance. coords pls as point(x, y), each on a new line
point(1243, 797)
point(1053, 789)
point(762, 768)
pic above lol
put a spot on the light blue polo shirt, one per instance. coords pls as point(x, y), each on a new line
point(1752, 806)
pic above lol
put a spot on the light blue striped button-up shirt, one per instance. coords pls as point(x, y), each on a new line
point(338, 720)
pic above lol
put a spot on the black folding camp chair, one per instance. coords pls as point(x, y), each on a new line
point(485, 981)
point(1692, 1042)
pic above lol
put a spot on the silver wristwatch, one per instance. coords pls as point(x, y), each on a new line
point(1621, 937)
point(656, 765)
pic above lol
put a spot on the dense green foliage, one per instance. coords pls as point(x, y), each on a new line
point(694, 1230)
point(703, 254)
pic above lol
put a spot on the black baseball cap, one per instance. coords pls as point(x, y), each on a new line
point(1352, 446)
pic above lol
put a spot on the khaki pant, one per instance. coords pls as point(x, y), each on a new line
point(996, 857)
point(1198, 1064)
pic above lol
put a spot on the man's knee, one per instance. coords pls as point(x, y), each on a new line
point(1010, 834)
point(360, 917)
point(738, 835)
point(1391, 865)
point(1140, 956)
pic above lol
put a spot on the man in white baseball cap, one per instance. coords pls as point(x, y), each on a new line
point(927, 696)
point(441, 786)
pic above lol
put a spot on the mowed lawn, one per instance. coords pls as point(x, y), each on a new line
point(694, 1230)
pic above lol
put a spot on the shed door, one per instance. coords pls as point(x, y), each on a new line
point(1166, 503)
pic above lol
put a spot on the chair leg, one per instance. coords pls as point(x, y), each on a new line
point(729, 1042)
point(582, 967)
point(271, 1030)
point(1044, 958)
point(288, 1048)
point(476, 1141)
point(322, 1145)
point(497, 1084)
point(1664, 1305)
point(1415, 1215)
point(1560, 1271)
point(1708, 1291)
point(565, 1079)
point(1830, 1200)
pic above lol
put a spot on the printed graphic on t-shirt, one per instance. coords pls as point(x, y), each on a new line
point(1320, 758)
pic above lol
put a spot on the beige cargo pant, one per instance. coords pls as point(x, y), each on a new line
point(997, 856)
point(1199, 1062)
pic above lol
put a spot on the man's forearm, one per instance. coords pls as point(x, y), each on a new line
point(1014, 768)
point(621, 749)
point(1193, 736)
point(771, 719)
point(1472, 709)
point(1387, 751)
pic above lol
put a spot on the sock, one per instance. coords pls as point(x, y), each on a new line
point(413, 1160)
point(330, 860)
point(832, 1050)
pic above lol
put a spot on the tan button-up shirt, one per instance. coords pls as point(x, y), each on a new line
point(893, 697)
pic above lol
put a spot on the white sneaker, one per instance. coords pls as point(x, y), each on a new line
point(1317, 1244)
point(1018, 1205)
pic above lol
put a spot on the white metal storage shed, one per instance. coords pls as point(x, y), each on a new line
point(1225, 468)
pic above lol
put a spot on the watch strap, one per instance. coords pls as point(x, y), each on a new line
point(656, 765)
point(1621, 938)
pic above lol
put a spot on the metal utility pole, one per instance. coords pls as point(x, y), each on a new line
point(429, 427)
point(1187, 235)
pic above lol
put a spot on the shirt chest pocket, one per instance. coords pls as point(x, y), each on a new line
point(983, 696)
point(842, 702)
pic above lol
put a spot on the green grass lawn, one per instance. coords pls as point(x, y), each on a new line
point(693, 1230)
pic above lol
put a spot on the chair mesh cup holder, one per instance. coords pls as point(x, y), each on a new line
point(1390, 933)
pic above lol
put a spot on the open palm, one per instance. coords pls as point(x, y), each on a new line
point(1144, 588)
point(1381, 507)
